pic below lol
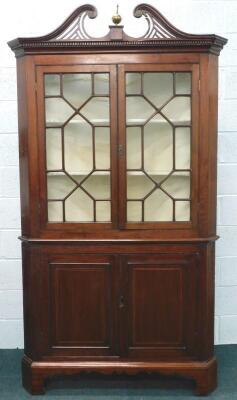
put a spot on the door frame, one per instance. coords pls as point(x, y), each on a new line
point(44, 266)
point(189, 266)
point(62, 227)
point(159, 67)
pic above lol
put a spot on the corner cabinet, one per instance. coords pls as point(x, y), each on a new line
point(118, 200)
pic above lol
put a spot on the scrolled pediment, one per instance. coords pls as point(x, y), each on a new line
point(160, 34)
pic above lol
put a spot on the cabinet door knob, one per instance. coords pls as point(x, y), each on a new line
point(120, 149)
point(121, 302)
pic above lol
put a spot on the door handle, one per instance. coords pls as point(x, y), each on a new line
point(120, 149)
point(121, 302)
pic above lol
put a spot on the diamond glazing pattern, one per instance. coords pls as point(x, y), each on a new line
point(78, 147)
point(158, 120)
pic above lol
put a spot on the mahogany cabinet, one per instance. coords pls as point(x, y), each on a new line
point(118, 200)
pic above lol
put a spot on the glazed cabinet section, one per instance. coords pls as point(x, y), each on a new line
point(107, 306)
point(117, 147)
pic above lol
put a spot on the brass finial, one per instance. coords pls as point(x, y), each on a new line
point(116, 18)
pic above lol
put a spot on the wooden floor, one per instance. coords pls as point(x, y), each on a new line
point(99, 387)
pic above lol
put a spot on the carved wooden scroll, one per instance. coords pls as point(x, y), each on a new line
point(160, 34)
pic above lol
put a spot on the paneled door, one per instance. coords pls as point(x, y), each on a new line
point(158, 134)
point(82, 304)
point(159, 317)
point(77, 146)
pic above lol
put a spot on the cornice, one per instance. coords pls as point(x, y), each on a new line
point(161, 36)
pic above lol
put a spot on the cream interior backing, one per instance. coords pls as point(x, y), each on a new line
point(78, 147)
point(157, 151)
point(158, 136)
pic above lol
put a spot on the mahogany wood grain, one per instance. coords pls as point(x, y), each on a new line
point(162, 315)
point(79, 292)
point(203, 373)
point(118, 297)
point(68, 37)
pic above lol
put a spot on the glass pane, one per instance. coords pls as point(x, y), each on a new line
point(134, 155)
point(78, 151)
point(54, 148)
point(98, 185)
point(52, 85)
point(158, 146)
point(102, 148)
point(59, 185)
point(158, 141)
point(183, 83)
point(101, 83)
point(133, 83)
point(97, 111)
point(138, 185)
point(182, 148)
point(55, 211)
point(178, 185)
point(134, 211)
point(79, 207)
point(57, 111)
point(158, 87)
point(103, 211)
point(178, 110)
point(138, 110)
point(158, 207)
point(77, 88)
point(182, 210)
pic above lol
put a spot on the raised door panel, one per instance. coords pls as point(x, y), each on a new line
point(81, 300)
point(161, 303)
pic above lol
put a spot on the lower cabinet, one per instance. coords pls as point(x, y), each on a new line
point(144, 306)
point(118, 308)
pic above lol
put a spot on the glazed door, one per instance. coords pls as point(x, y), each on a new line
point(125, 158)
point(158, 132)
point(159, 317)
point(77, 145)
